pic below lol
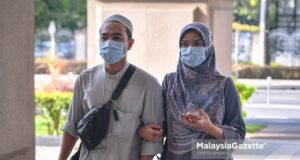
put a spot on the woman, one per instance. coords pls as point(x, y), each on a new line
point(199, 102)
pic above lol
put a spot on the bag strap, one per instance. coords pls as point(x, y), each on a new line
point(77, 154)
point(123, 82)
point(119, 89)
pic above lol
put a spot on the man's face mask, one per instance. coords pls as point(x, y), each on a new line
point(112, 51)
point(192, 56)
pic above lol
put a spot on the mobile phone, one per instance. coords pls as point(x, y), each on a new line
point(195, 113)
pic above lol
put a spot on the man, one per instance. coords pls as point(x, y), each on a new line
point(140, 102)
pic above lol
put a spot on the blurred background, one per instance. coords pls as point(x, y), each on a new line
point(45, 44)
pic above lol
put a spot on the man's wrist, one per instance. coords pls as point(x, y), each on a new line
point(146, 157)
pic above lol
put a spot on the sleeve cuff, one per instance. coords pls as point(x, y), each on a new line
point(229, 132)
point(151, 148)
point(70, 128)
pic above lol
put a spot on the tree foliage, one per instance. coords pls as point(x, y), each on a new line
point(248, 12)
point(72, 13)
point(66, 13)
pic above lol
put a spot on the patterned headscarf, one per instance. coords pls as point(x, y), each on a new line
point(193, 88)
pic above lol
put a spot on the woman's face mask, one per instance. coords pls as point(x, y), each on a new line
point(192, 49)
point(192, 56)
point(112, 51)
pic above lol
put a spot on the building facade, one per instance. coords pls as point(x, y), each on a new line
point(156, 29)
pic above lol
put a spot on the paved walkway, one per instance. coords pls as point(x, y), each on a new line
point(49, 151)
point(274, 149)
point(281, 142)
point(46, 152)
point(278, 131)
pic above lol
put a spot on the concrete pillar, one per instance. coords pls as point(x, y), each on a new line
point(80, 44)
point(16, 80)
point(220, 21)
point(156, 29)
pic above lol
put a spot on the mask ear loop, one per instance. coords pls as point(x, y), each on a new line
point(208, 47)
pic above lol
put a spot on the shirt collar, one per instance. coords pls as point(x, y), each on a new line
point(116, 76)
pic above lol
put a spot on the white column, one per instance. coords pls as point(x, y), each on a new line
point(236, 50)
point(262, 38)
point(52, 31)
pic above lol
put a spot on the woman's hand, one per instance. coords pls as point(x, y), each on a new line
point(198, 119)
point(150, 132)
point(203, 122)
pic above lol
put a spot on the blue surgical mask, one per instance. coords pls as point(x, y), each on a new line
point(192, 56)
point(112, 51)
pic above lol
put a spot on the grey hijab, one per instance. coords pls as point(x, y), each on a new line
point(192, 88)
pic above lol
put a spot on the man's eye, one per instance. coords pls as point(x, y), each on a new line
point(117, 38)
point(103, 38)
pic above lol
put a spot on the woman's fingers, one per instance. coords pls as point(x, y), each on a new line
point(201, 111)
point(187, 120)
point(184, 118)
point(195, 116)
point(198, 119)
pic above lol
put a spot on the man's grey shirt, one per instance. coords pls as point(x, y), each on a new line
point(140, 102)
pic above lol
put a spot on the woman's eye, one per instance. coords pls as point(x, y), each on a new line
point(197, 44)
point(184, 45)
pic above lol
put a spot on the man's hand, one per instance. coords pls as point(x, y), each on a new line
point(66, 146)
point(148, 157)
point(151, 132)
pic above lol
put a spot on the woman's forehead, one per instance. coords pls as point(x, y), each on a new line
point(192, 35)
point(202, 30)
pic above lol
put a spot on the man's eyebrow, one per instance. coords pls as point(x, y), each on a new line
point(117, 34)
point(114, 34)
point(103, 34)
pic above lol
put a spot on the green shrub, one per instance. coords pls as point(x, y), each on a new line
point(41, 128)
point(245, 92)
point(54, 106)
point(253, 128)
